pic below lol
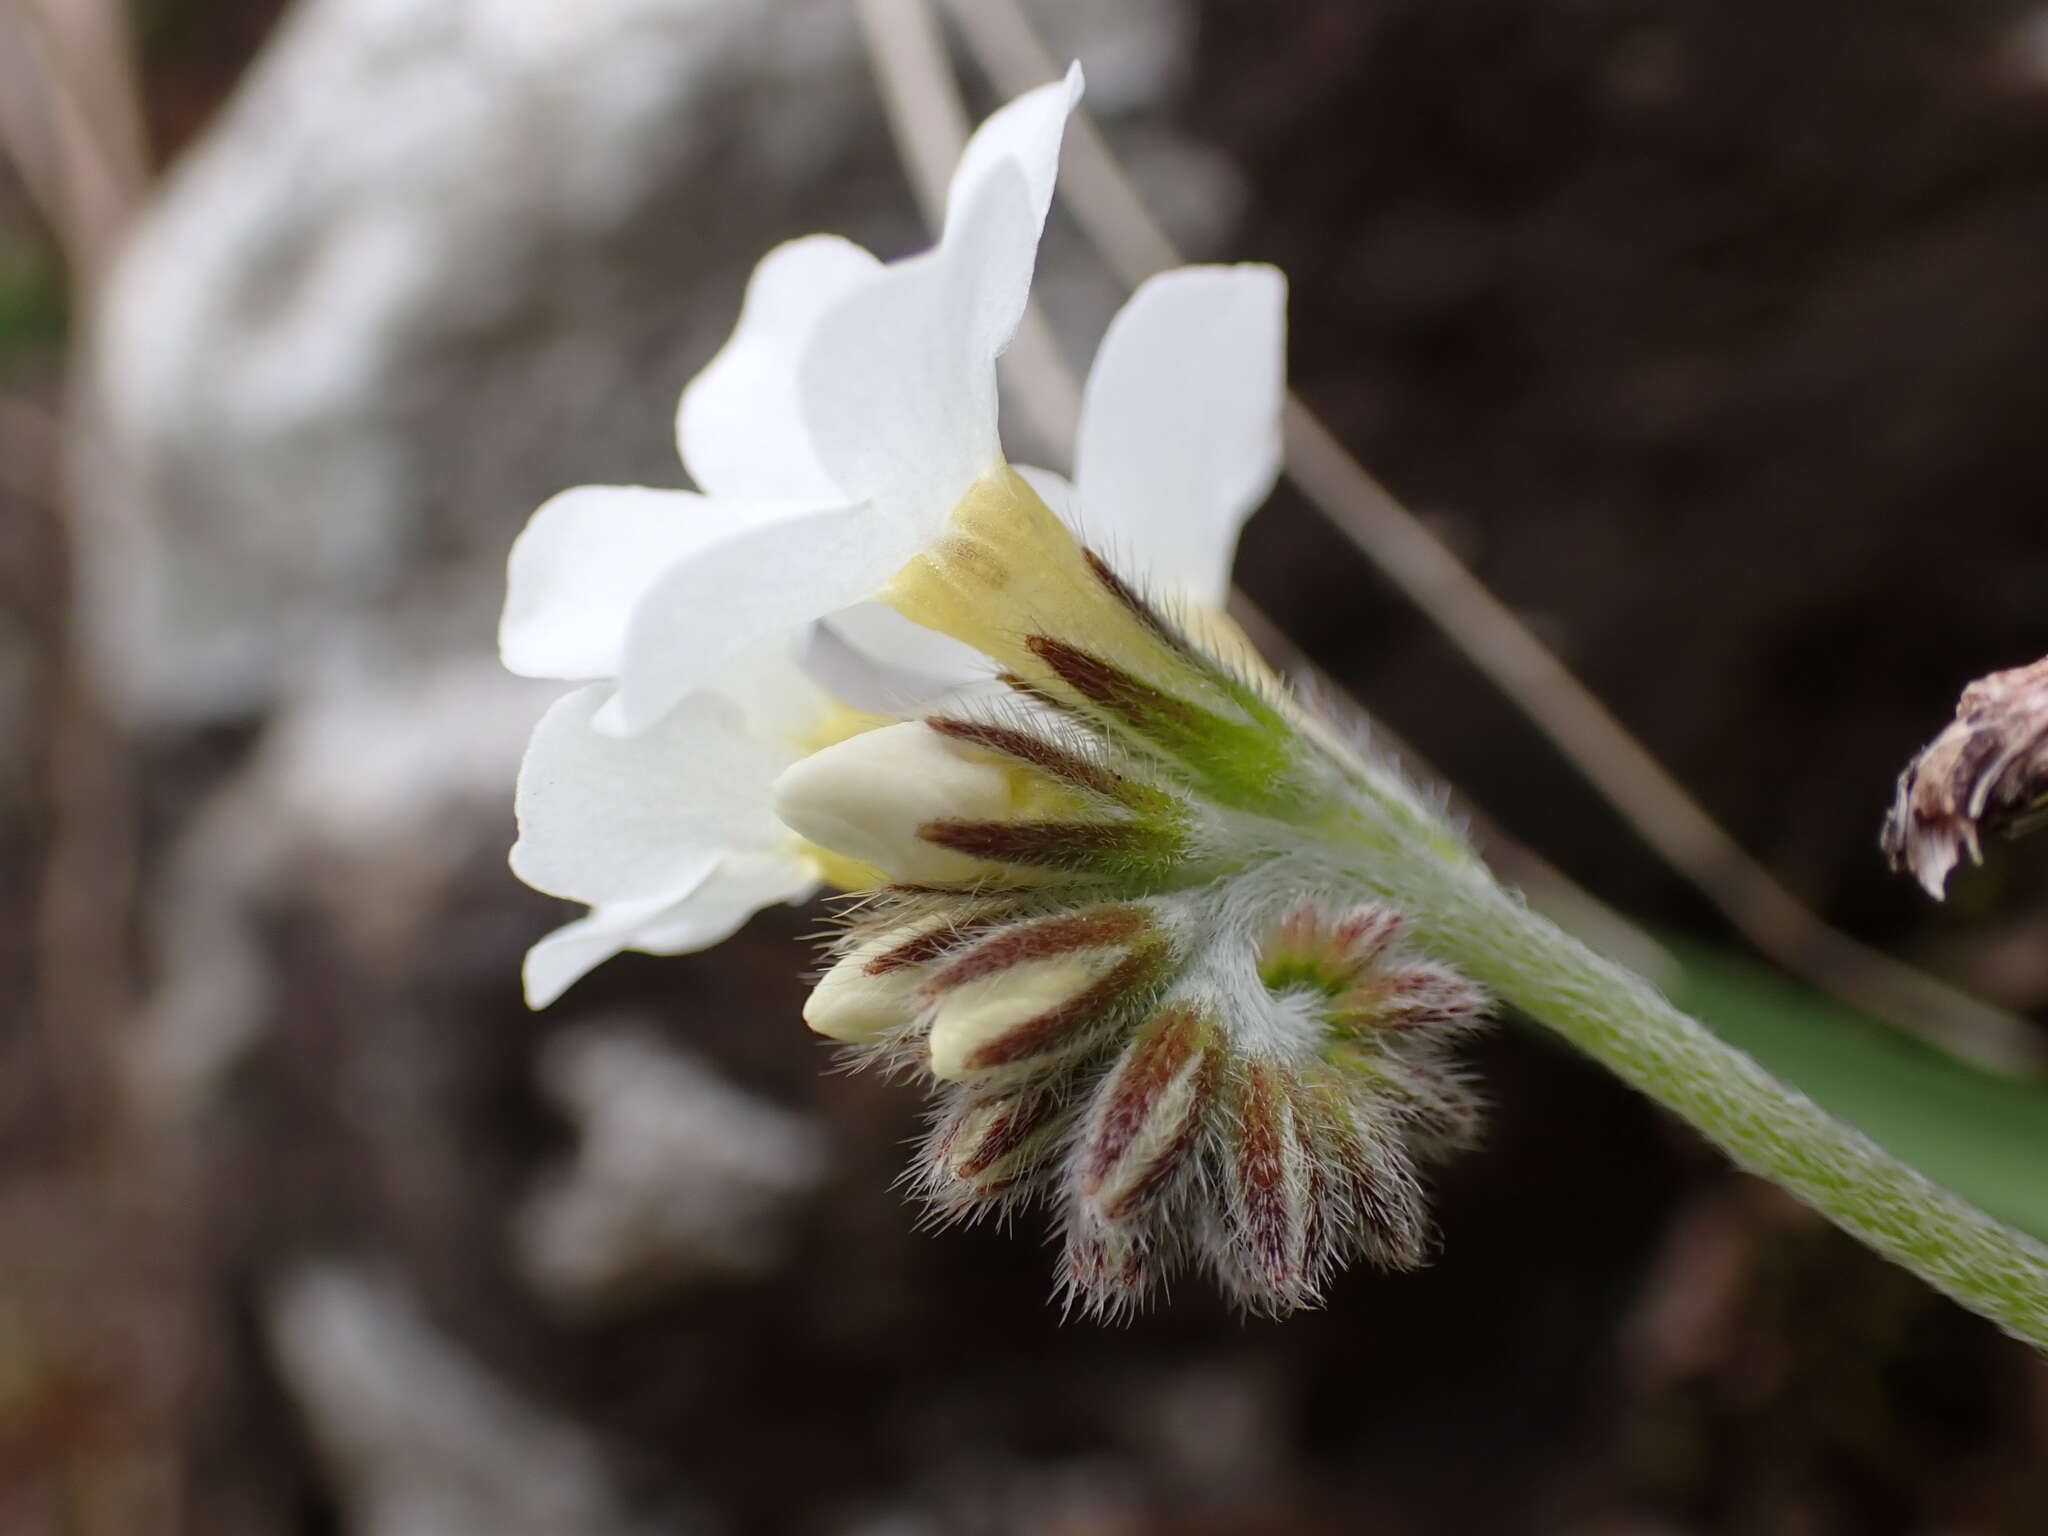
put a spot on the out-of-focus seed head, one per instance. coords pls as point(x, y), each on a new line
point(1986, 773)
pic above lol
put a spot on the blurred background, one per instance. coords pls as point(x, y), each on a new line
point(1710, 333)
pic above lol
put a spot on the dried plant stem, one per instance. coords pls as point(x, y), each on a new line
point(929, 123)
point(71, 120)
point(1660, 809)
point(926, 116)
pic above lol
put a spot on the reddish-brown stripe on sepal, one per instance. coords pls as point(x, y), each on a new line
point(1365, 1197)
point(941, 939)
point(1047, 757)
point(1089, 928)
point(1411, 996)
point(1364, 933)
point(1070, 1025)
point(989, 1141)
point(1137, 703)
point(1139, 609)
point(1266, 1181)
point(1115, 849)
point(1343, 946)
point(1147, 1112)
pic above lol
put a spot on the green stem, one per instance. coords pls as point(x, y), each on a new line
point(1766, 1126)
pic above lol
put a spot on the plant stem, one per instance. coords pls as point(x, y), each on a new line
point(1766, 1126)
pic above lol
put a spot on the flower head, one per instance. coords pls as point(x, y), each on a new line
point(1089, 824)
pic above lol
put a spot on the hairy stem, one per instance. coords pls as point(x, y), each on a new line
point(1766, 1126)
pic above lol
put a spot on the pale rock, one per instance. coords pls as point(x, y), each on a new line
point(678, 1174)
point(419, 1438)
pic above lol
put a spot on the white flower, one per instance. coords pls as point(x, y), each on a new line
point(831, 437)
point(1107, 925)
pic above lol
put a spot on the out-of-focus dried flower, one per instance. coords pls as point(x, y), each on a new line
point(1986, 773)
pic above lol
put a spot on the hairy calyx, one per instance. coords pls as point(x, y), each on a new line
point(1110, 944)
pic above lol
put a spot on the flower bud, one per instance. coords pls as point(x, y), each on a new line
point(1029, 994)
point(1018, 1015)
point(868, 798)
point(1106, 1266)
point(988, 1143)
point(1146, 1113)
point(857, 1000)
point(1363, 982)
point(1270, 1189)
point(1362, 1173)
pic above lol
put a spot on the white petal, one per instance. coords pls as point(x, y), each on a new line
point(574, 949)
point(740, 425)
point(872, 658)
point(898, 383)
point(1180, 424)
point(725, 893)
point(1025, 133)
point(585, 557)
point(726, 601)
point(741, 886)
point(781, 701)
point(605, 820)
